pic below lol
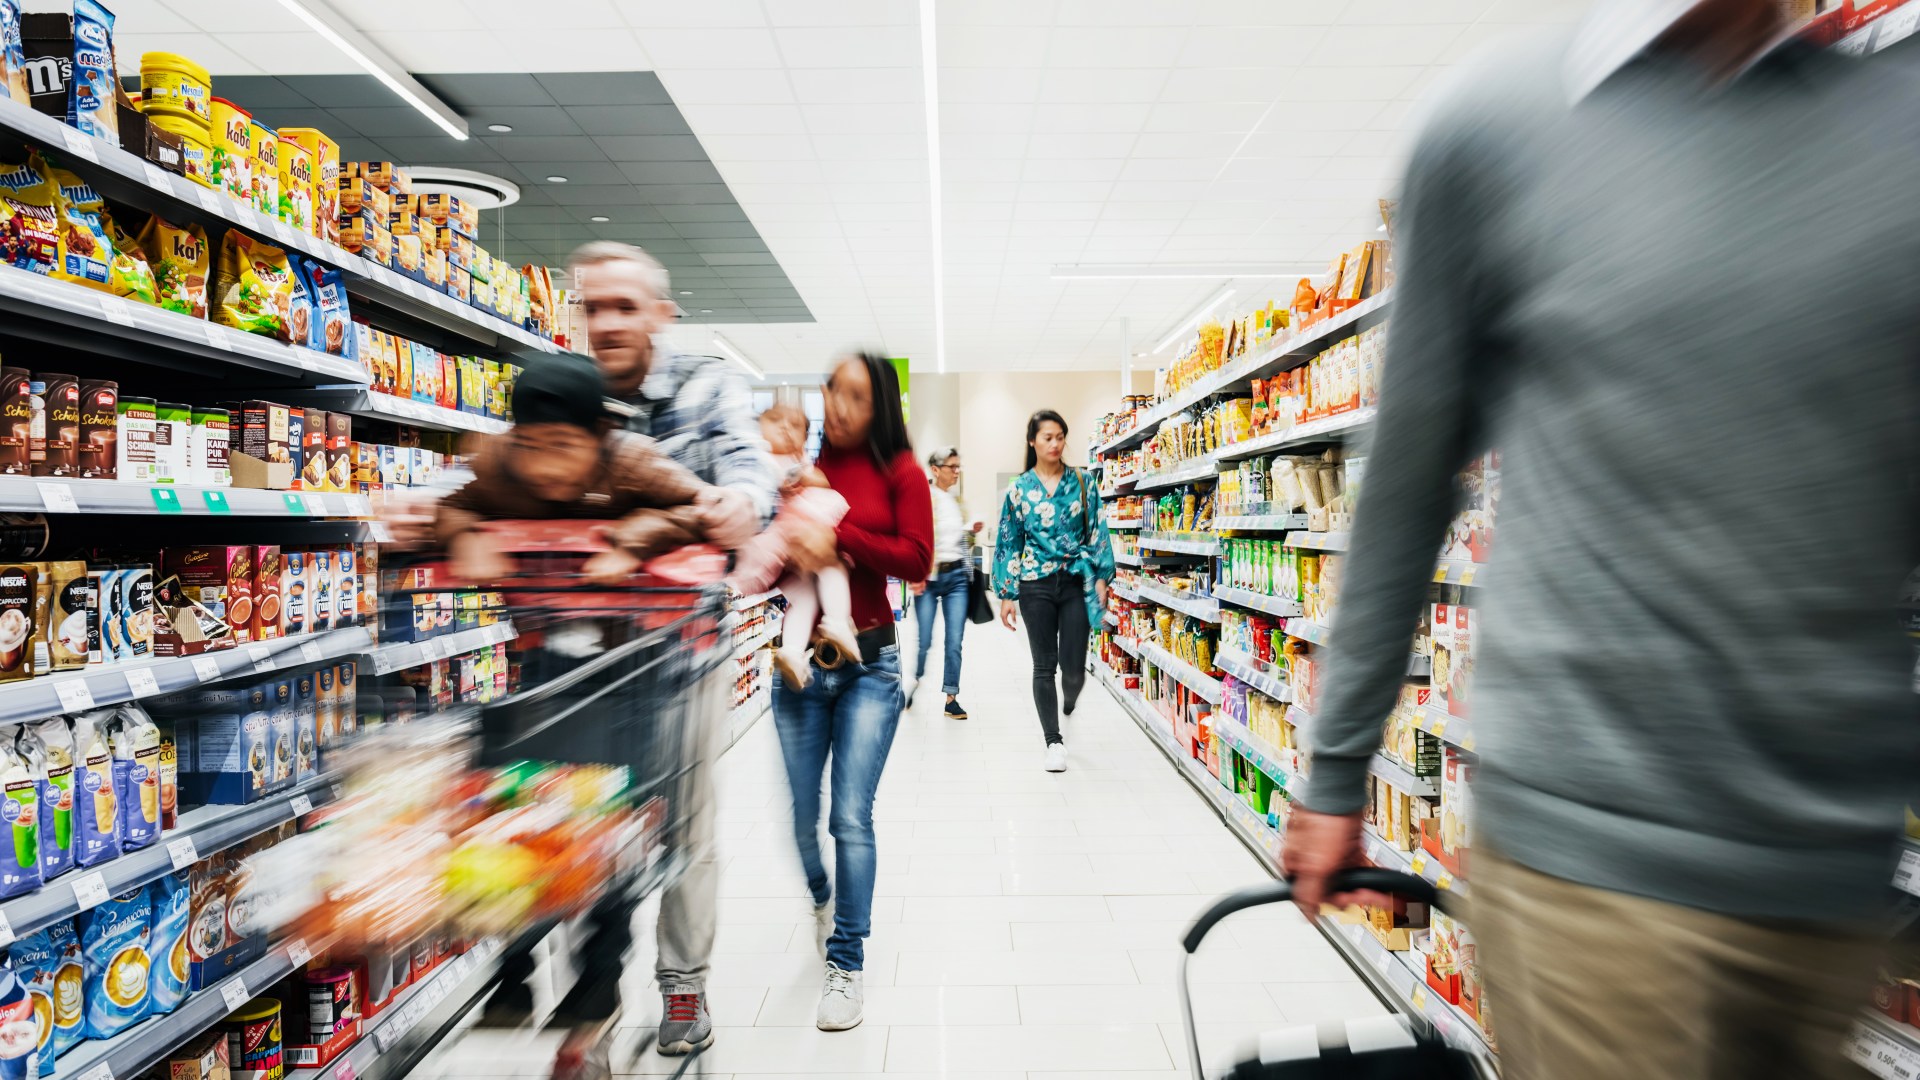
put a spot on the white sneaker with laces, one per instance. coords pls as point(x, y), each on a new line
point(1056, 759)
point(822, 925)
point(842, 1000)
point(908, 684)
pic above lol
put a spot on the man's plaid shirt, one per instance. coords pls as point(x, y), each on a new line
point(699, 410)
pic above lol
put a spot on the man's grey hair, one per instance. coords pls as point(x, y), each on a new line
point(939, 457)
point(606, 251)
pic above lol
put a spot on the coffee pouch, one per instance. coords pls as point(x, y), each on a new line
point(96, 818)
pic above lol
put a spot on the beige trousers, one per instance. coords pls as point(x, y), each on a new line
point(1587, 984)
point(687, 907)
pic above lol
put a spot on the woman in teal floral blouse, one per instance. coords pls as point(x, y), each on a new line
point(1052, 560)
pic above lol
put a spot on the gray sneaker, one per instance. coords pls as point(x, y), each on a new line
point(685, 1025)
point(822, 925)
point(842, 1000)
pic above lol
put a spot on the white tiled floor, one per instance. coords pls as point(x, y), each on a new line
point(1024, 923)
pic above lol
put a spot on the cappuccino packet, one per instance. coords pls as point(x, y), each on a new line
point(135, 741)
point(114, 950)
point(18, 583)
point(96, 818)
point(49, 745)
point(20, 818)
point(47, 963)
point(168, 985)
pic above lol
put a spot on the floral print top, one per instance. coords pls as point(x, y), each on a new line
point(1041, 535)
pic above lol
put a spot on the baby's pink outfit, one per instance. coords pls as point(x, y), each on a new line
point(762, 562)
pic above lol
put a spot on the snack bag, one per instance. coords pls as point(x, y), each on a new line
point(13, 53)
point(178, 256)
point(29, 229)
point(51, 742)
point(85, 251)
point(116, 962)
point(19, 1048)
point(253, 288)
point(129, 276)
point(302, 323)
point(135, 740)
point(93, 90)
point(20, 817)
point(334, 333)
point(96, 819)
point(168, 984)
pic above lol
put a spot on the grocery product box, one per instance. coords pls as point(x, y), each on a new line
point(296, 582)
point(260, 450)
point(202, 1058)
point(221, 580)
point(267, 573)
point(224, 741)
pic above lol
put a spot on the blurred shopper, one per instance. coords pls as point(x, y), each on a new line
point(1695, 719)
point(850, 707)
point(946, 590)
point(1052, 560)
point(699, 411)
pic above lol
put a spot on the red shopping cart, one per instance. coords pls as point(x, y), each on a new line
point(1381, 1048)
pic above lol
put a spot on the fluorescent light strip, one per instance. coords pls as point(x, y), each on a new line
point(930, 77)
point(1190, 321)
point(413, 94)
point(733, 354)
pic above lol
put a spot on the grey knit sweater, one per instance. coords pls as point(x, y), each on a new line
point(1690, 320)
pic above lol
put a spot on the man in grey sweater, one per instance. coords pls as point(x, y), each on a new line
point(1669, 264)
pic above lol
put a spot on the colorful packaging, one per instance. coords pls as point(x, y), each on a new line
point(325, 155)
point(13, 53)
point(296, 186)
point(16, 419)
point(306, 728)
point(172, 83)
point(254, 286)
point(207, 448)
point(220, 579)
point(18, 583)
point(115, 939)
point(135, 609)
point(129, 275)
point(196, 150)
point(20, 815)
point(302, 325)
point(168, 983)
point(346, 588)
point(19, 1031)
point(136, 457)
point(312, 474)
point(86, 252)
point(30, 239)
point(266, 592)
point(58, 454)
point(320, 600)
point(231, 131)
point(326, 698)
point(93, 89)
point(178, 257)
point(135, 740)
point(96, 819)
point(329, 290)
point(283, 734)
point(172, 431)
point(266, 170)
point(169, 781)
point(52, 741)
point(47, 963)
point(339, 446)
point(254, 1050)
point(293, 592)
point(98, 451)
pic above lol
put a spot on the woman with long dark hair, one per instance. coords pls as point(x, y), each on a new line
point(850, 707)
point(1052, 560)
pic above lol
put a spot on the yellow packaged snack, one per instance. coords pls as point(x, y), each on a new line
point(177, 255)
point(253, 289)
point(29, 217)
point(129, 276)
point(84, 250)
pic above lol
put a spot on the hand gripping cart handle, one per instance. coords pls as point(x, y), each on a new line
point(1388, 1048)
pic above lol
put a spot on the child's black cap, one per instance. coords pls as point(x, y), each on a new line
point(560, 389)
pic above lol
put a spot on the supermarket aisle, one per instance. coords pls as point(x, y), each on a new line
point(1024, 922)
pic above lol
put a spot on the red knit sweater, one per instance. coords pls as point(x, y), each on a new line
point(888, 530)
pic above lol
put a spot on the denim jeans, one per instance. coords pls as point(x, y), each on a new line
point(948, 593)
point(850, 714)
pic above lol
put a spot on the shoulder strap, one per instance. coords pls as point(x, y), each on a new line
point(1086, 514)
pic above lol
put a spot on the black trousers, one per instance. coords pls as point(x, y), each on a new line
point(602, 959)
point(1055, 611)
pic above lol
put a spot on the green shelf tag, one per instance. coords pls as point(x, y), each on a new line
point(216, 502)
point(166, 500)
point(295, 504)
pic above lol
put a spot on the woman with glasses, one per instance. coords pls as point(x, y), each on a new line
point(946, 590)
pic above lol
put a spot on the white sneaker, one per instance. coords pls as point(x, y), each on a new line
point(1056, 759)
point(842, 1000)
point(908, 684)
point(822, 925)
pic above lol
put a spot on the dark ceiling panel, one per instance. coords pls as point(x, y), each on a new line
point(670, 172)
point(716, 229)
point(650, 147)
point(469, 93)
point(630, 119)
point(527, 120)
point(704, 212)
point(606, 88)
point(381, 123)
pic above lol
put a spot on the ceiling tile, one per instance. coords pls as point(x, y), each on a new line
point(987, 85)
point(1089, 118)
point(512, 15)
point(728, 148)
point(847, 119)
point(670, 172)
point(1105, 85)
point(650, 147)
point(475, 91)
point(1382, 45)
point(629, 119)
point(728, 87)
point(543, 147)
point(576, 172)
point(402, 122)
point(990, 47)
point(645, 14)
point(1116, 47)
point(884, 85)
point(850, 47)
point(713, 49)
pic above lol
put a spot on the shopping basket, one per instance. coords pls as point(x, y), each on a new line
point(1381, 1048)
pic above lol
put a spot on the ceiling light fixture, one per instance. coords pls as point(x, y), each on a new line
point(706, 311)
point(930, 78)
point(1189, 322)
point(500, 128)
point(734, 355)
point(339, 32)
point(1177, 271)
point(556, 179)
point(686, 292)
point(602, 218)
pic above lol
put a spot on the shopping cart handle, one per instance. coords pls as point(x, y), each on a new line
point(1353, 879)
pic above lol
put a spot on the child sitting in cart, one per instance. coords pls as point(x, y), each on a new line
point(566, 458)
point(806, 501)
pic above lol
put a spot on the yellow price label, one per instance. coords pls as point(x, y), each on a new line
point(1420, 998)
point(1440, 574)
point(1438, 727)
point(1420, 864)
point(1466, 575)
point(1444, 880)
point(1467, 743)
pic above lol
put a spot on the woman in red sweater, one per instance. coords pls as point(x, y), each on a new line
point(851, 706)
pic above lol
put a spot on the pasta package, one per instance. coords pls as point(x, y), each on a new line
point(253, 287)
point(178, 257)
point(86, 252)
point(30, 232)
point(93, 90)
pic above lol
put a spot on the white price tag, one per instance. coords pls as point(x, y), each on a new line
point(343, 1071)
point(206, 668)
point(261, 656)
point(380, 533)
point(298, 952)
point(79, 144)
point(102, 1071)
point(6, 930)
point(210, 200)
point(302, 806)
point(182, 852)
point(285, 233)
point(116, 311)
point(58, 498)
point(310, 651)
point(216, 335)
point(357, 505)
point(74, 695)
point(90, 890)
point(158, 178)
point(234, 992)
point(316, 506)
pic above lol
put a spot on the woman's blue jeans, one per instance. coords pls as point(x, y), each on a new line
point(849, 715)
point(948, 592)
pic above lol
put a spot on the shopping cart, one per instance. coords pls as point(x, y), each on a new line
point(607, 675)
point(1380, 1048)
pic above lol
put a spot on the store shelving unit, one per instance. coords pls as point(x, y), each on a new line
point(1207, 687)
point(1887, 1050)
point(1122, 523)
point(1127, 558)
point(27, 494)
point(1260, 522)
point(1316, 541)
point(1253, 601)
point(1204, 608)
point(373, 405)
point(402, 1018)
point(406, 654)
point(1180, 543)
point(1251, 671)
point(1184, 473)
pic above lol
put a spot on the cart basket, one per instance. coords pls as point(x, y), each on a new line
point(1377, 1048)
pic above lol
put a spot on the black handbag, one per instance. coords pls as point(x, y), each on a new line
point(979, 597)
